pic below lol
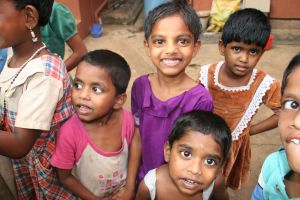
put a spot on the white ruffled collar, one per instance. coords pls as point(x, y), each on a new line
point(233, 89)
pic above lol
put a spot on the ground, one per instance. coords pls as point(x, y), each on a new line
point(126, 41)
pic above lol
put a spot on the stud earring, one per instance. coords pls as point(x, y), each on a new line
point(34, 38)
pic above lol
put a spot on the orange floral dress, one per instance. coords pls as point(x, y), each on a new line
point(238, 105)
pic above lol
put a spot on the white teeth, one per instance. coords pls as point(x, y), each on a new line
point(189, 181)
point(170, 62)
point(295, 141)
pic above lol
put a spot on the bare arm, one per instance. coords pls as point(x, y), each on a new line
point(219, 192)
point(78, 48)
point(19, 143)
point(143, 192)
point(265, 125)
point(133, 165)
point(71, 183)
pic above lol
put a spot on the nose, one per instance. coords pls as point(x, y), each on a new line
point(195, 167)
point(297, 120)
point(84, 93)
point(171, 48)
point(244, 57)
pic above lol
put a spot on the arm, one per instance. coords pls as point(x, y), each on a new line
point(265, 125)
point(19, 143)
point(79, 50)
point(219, 191)
point(143, 192)
point(133, 164)
point(71, 183)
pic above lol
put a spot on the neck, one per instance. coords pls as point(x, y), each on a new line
point(171, 81)
point(227, 78)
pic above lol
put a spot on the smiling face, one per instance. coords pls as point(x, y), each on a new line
point(171, 45)
point(240, 58)
point(93, 94)
point(194, 162)
point(289, 120)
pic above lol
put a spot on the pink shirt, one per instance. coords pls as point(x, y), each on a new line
point(99, 171)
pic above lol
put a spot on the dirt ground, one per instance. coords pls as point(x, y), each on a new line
point(129, 43)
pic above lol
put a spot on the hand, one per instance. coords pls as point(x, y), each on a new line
point(123, 194)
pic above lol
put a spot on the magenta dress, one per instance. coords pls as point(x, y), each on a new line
point(155, 118)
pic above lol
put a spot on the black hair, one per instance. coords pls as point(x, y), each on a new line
point(249, 25)
point(294, 63)
point(115, 65)
point(206, 123)
point(180, 7)
point(44, 8)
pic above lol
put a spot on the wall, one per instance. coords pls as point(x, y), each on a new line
point(282, 9)
point(85, 13)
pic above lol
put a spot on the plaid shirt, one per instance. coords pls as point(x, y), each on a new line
point(35, 177)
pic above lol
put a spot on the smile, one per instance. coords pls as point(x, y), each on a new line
point(295, 141)
point(189, 183)
point(170, 62)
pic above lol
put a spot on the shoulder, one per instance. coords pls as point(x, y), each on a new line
point(141, 80)
point(54, 66)
point(70, 125)
point(59, 8)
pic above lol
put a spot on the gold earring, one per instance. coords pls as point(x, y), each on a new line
point(34, 38)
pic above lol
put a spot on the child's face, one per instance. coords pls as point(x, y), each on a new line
point(12, 24)
point(171, 45)
point(93, 93)
point(289, 120)
point(240, 58)
point(194, 162)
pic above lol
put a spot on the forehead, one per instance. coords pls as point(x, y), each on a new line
point(173, 23)
point(244, 45)
point(199, 142)
point(85, 69)
point(293, 82)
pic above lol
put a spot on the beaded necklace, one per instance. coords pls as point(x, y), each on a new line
point(13, 80)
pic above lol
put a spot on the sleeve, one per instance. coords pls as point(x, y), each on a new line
point(135, 107)
point(64, 156)
point(65, 28)
point(150, 182)
point(205, 103)
point(273, 96)
point(128, 126)
point(38, 102)
point(257, 193)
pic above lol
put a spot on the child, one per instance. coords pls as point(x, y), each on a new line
point(62, 29)
point(280, 174)
point(196, 150)
point(238, 89)
point(171, 41)
point(35, 99)
point(98, 140)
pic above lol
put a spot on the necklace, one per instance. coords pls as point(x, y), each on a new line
point(13, 80)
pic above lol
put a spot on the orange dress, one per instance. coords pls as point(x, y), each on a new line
point(237, 106)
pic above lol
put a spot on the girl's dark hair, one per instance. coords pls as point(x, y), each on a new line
point(115, 65)
point(249, 25)
point(180, 7)
point(294, 63)
point(44, 8)
point(205, 123)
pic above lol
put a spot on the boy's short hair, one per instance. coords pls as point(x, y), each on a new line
point(249, 26)
point(115, 65)
point(44, 8)
point(206, 123)
point(294, 63)
point(180, 7)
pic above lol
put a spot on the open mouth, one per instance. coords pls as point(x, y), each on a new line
point(83, 109)
point(171, 62)
point(295, 141)
point(189, 183)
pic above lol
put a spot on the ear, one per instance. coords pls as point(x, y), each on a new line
point(146, 46)
point(221, 47)
point(197, 46)
point(167, 151)
point(119, 101)
point(31, 16)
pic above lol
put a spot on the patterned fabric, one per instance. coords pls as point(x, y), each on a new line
point(242, 103)
point(35, 178)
